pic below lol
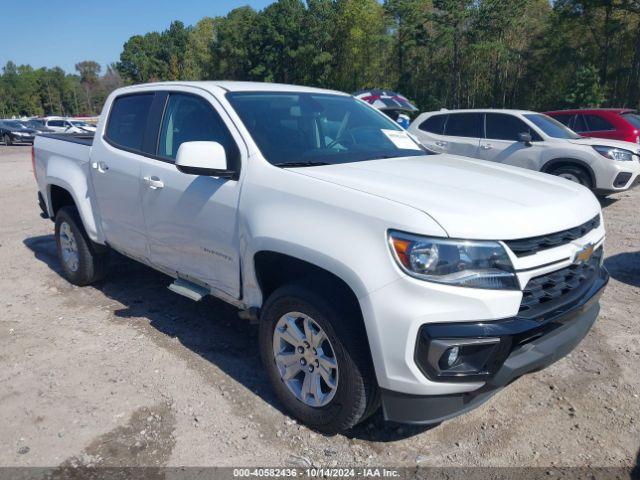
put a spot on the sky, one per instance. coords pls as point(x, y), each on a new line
point(62, 33)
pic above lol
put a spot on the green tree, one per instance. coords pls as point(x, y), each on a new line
point(586, 91)
point(236, 45)
point(361, 45)
point(198, 61)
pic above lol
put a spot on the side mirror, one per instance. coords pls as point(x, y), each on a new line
point(203, 158)
point(525, 138)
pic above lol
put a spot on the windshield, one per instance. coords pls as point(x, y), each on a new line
point(15, 124)
point(632, 118)
point(310, 128)
point(551, 126)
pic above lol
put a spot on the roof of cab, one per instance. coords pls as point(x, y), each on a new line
point(232, 86)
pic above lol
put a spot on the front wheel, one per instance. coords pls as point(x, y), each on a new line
point(324, 379)
point(82, 261)
point(574, 174)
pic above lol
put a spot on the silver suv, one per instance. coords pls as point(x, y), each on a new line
point(531, 140)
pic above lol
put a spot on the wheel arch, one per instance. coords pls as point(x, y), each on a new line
point(273, 269)
point(59, 194)
point(550, 165)
point(59, 197)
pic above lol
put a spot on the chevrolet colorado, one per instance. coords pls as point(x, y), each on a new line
point(379, 273)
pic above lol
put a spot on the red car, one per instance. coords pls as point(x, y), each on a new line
point(613, 123)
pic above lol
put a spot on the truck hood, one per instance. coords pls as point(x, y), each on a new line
point(634, 147)
point(470, 199)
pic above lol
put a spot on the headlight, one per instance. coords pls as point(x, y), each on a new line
point(614, 153)
point(474, 264)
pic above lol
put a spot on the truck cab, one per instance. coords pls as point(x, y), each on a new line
point(379, 273)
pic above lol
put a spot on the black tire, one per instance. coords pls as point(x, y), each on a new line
point(7, 140)
point(92, 259)
point(357, 395)
point(578, 174)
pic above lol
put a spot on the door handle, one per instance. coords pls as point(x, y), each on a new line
point(100, 166)
point(486, 146)
point(154, 183)
point(441, 144)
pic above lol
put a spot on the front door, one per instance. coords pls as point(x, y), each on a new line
point(192, 220)
point(502, 142)
point(115, 174)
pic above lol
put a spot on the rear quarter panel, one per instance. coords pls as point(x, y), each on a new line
point(66, 165)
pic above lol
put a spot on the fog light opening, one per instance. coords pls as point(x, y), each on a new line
point(461, 356)
point(452, 356)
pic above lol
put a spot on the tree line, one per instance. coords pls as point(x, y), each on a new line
point(25, 91)
point(533, 54)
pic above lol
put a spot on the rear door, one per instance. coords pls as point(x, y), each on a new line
point(502, 141)
point(431, 133)
point(192, 220)
point(462, 133)
point(116, 161)
point(600, 127)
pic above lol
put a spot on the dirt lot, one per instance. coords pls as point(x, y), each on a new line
point(128, 373)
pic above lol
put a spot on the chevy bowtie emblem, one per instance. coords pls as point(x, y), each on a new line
point(583, 255)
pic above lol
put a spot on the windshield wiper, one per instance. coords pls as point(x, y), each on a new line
point(300, 164)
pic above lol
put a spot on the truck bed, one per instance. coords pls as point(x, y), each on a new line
point(81, 138)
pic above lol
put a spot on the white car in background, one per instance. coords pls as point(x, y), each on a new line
point(68, 125)
point(531, 140)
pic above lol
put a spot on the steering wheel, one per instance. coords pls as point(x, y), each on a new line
point(350, 134)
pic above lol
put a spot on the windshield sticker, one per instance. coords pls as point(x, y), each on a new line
point(401, 139)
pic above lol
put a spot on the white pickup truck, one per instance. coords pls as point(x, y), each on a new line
point(379, 273)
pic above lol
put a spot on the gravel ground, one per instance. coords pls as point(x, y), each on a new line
point(128, 373)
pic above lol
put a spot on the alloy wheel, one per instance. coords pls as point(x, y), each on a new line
point(69, 247)
point(305, 359)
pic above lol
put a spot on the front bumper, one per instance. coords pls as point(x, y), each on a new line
point(22, 139)
point(617, 176)
point(535, 345)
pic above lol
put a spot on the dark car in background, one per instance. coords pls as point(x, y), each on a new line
point(36, 124)
point(613, 123)
point(13, 131)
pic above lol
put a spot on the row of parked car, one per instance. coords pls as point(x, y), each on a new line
point(595, 148)
point(24, 131)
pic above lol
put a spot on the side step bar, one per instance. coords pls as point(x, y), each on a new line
point(188, 289)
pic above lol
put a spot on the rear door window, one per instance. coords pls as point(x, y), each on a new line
point(464, 125)
point(501, 126)
point(434, 124)
point(596, 123)
point(579, 125)
point(55, 123)
point(128, 121)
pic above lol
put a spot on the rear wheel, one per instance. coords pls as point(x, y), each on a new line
point(574, 174)
point(82, 261)
point(316, 359)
